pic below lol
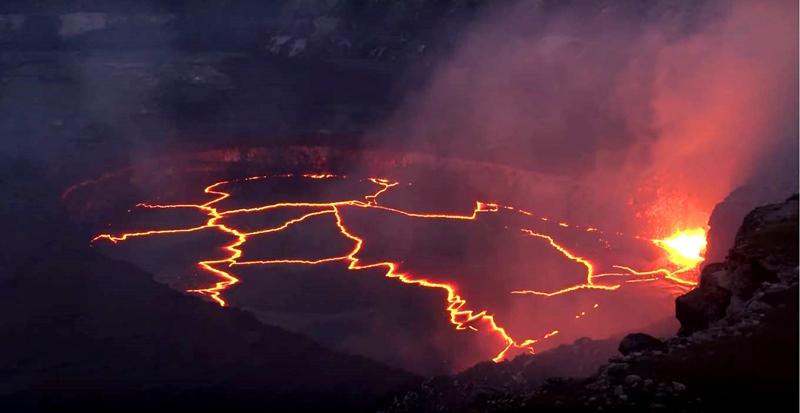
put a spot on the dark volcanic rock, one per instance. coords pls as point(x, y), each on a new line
point(765, 252)
point(81, 331)
point(707, 303)
point(640, 342)
point(617, 369)
point(494, 382)
point(727, 216)
point(746, 278)
point(769, 234)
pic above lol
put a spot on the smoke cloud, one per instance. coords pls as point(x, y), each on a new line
point(655, 112)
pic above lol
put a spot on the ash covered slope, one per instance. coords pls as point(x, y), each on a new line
point(737, 347)
point(82, 331)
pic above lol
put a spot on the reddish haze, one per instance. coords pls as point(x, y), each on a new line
point(658, 120)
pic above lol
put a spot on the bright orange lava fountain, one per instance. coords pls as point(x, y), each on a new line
point(683, 250)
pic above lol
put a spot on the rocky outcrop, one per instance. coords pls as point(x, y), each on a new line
point(705, 304)
point(507, 383)
point(762, 263)
point(640, 342)
point(727, 216)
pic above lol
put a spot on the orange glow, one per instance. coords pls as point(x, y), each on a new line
point(685, 248)
point(589, 271)
point(320, 176)
point(461, 316)
point(551, 334)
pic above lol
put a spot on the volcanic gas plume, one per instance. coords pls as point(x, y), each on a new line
point(662, 118)
point(353, 228)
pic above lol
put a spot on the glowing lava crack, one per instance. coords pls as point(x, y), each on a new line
point(683, 250)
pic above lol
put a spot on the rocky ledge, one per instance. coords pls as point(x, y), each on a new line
point(758, 274)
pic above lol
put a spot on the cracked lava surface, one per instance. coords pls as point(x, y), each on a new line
point(683, 250)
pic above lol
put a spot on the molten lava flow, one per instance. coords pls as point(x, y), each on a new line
point(589, 270)
point(460, 317)
point(683, 250)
